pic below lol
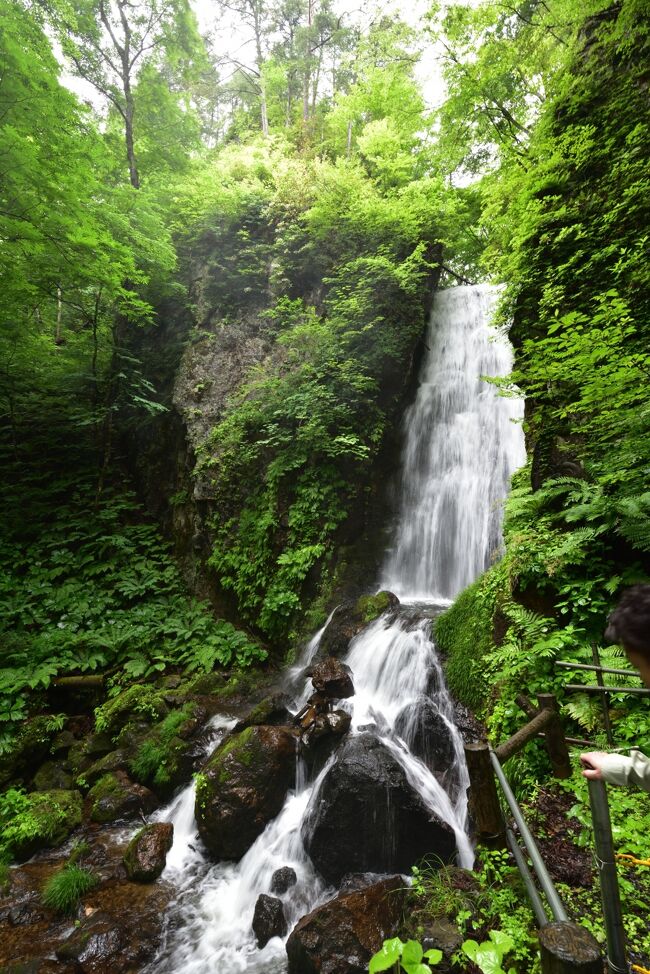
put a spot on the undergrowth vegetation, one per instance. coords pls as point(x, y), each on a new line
point(88, 585)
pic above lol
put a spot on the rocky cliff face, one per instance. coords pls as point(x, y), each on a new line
point(200, 357)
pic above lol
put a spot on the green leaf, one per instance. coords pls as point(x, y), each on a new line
point(387, 957)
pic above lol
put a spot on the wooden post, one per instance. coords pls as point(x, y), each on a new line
point(484, 807)
point(556, 745)
point(567, 948)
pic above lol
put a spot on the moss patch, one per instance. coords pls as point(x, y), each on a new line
point(464, 634)
point(370, 607)
point(159, 760)
point(142, 700)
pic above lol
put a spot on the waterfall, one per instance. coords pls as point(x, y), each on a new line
point(461, 448)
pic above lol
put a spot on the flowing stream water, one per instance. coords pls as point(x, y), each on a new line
point(461, 447)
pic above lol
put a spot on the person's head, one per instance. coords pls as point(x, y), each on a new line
point(629, 625)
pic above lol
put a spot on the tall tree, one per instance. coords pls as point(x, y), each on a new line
point(108, 42)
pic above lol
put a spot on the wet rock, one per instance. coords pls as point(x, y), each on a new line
point(273, 710)
point(350, 618)
point(366, 816)
point(283, 879)
point(52, 776)
point(341, 936)
point(243, 786)
point(428, 735)
point(322, 736)
point(146, 853)
point(338, 722)
point(268, 920)
point(94, 944)
point(115, 796)
point(62, 742)
point(333, 679)
point(28, 912)
point(355, 881)
point(441, 934)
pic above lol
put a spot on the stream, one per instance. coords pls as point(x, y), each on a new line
point(462, 444)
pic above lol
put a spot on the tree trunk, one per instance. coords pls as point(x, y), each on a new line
point(128, 132)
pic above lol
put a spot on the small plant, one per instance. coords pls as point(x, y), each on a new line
point(65, 888)
point(489, 955)
point(400, 956)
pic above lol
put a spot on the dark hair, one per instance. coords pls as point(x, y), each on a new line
point(629, 623)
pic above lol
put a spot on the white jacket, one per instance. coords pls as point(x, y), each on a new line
point(620, 770)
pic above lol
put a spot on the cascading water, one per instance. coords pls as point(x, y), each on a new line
point(461, 449)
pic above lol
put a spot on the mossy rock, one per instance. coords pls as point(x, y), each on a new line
point(115, 796)
point(464, 635)
point(243, 786)
point(46, 819)
point(164, 759)
point(370, 607)
point(271, 710)
point(30, 747)
point(53, 776)
point(138, 702)
point(115, 761)
point(349, 618)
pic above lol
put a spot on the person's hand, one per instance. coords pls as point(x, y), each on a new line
point(592, 764)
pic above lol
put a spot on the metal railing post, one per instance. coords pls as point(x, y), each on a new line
point(545, 881)
point(612, 913)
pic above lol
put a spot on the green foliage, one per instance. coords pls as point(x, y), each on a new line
point(293, 452)
point(65, 888)
point(92, 589)
point(34, 821)
point(488, 956)
point(399, 956)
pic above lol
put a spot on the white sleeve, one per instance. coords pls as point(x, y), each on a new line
point(620, 770)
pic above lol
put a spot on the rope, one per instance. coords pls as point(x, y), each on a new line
point(640, 970)
point(633, 860)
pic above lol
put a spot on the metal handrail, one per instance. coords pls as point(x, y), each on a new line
point(555, 903)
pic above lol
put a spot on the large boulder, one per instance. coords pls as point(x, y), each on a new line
point(350, 617)
point(243, 786)
point(341, 936)
point(269, 919)
point(146, 853)
point(367, 817)
point(428, 736)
